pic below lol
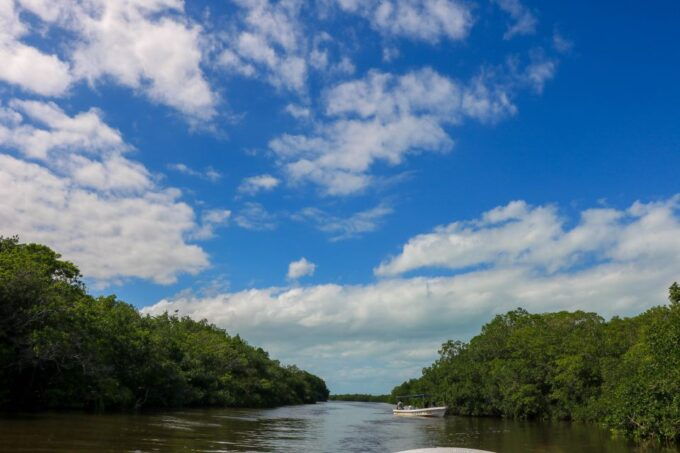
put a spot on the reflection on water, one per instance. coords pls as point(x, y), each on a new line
point(325, 427)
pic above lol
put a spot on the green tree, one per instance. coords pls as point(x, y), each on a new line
point(62, 348)
point(643, 393)
point(624, 373)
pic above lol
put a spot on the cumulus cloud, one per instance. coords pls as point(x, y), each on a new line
point(519, 234)
point(72, 188)
point(82, 147)
point(383, 117)
point(148, 46)
point(274, 41)
point(614, 262)
point(26, 66)
point(269, 39)
point(55, 130)
point(211, 220)
point(109, 236)
point(341, 228)
point(33, 70)
point(255, 184)
point(298, 111)
point(300, 268)
point(423, 20)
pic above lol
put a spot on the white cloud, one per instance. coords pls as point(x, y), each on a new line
point(273, 40)
point(229, 60)
point(216, 216)
point(537, 71)
point(298, 111)
point(524, 20)
point(270, 40)
point(253, 216)
point(209, 174)
point(108, 236)
point(423, 20)
point(111, 173)
point(149, 46)
point(300, 268)
point(519, 234)
point(383, 117)
point(10, 24)
point(82, 147)
point(341, 228)
point(33, 70)
point(210, 220)
point(26, 66)
point(84, 132)
point(74, 190)
point(614, 262)
point(255, 184)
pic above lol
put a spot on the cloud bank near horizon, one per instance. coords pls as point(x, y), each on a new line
point(611, 261)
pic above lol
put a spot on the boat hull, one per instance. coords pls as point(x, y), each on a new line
point(425, 412)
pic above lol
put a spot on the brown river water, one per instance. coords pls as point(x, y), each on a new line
point(324, 427)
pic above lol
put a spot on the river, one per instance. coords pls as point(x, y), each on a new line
point(324, 427)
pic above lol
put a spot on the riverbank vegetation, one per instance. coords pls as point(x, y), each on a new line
point(624, 373)
point(62, 348)
point(361, 397)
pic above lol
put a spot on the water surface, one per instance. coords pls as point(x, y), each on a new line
point(324, 427)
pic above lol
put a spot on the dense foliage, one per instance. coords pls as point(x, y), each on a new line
point(361, 397)
point(62, 348)
point(624, 373)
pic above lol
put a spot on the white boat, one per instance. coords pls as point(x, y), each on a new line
point(423, 412)
point(410, 411)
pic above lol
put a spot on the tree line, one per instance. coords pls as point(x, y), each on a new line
point(623, 373)
point(361, 397)
point(63, 348)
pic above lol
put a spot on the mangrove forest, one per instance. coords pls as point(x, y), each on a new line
point(623, 373)
point(63, 348)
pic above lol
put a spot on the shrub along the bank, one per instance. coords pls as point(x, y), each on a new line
point(62, 348)
point(624, 373)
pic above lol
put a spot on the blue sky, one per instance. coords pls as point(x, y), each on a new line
point(348, 184)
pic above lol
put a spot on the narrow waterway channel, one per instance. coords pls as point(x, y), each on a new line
point(324, 427)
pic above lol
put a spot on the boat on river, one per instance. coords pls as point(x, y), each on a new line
point(409, 411)
point(424, 411)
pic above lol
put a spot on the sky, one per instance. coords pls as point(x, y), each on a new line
point(346, 183)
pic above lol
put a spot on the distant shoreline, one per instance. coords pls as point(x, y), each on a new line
point(361, 398)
